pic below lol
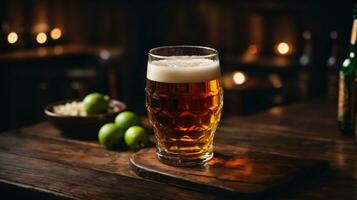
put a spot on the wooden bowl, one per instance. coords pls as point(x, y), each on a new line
point(83, 127)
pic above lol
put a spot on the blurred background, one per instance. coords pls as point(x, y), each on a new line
point(272, 52)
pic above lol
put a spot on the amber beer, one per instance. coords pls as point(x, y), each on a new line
point(184, 103)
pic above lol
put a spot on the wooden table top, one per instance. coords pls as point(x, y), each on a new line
point(37, 161)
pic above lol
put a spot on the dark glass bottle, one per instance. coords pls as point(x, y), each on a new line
point(346, 78)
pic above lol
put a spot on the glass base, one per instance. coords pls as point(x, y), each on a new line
point(175, 160)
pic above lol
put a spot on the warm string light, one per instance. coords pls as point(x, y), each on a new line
point(41, 29)
point(41, 38)
point(239, 78)
point(56, 33)
point(12, 37)
point(252, 49)
point(275, 81)
point(283, 48)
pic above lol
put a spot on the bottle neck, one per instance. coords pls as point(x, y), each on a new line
point(354, 33)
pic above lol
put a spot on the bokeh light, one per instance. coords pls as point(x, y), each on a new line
point(283, 48)
point(239, 78)
point(12, 37)
point(41, 38)
point(252, 49)
point(275, 81)
point(56, 33)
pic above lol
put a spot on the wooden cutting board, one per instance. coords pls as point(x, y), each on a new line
point(232, 171)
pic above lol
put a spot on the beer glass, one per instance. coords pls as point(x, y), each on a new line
point(184, 100)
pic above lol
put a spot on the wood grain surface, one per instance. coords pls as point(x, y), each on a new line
point(37, 162)
point(233, 171)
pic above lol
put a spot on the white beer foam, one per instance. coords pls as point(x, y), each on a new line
point(183, 69)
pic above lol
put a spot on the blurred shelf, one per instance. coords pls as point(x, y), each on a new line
point(68, 50)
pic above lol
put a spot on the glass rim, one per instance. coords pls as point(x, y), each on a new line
point(214, 51)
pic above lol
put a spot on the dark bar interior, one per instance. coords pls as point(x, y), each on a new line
point(273, 54)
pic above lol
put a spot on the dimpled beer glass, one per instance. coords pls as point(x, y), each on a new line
point(184, 100)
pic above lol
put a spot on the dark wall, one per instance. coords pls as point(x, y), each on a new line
point(138, 25)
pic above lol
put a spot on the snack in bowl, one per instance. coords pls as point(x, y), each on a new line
point(73, 108)
point(71, 119)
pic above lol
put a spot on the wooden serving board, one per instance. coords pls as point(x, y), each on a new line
point(232, 171)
